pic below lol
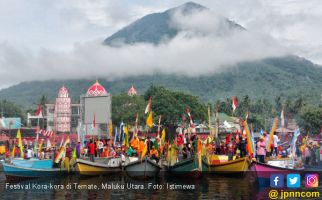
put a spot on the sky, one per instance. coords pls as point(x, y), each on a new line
point(44, 39)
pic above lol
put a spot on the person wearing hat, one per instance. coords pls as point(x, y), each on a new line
point(154, 154)
point(261, 151)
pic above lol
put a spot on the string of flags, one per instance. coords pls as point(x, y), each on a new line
point(45, 132)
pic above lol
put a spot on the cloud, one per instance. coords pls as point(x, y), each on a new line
point(195, 51)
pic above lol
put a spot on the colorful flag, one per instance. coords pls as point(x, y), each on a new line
point(126, 136)
point(268, 145)
point(136, 124)
point(192, 125)
point(39, 111)
point(159, 126)
point(13, 151)
point(40, 145)
point(282, 118)
point(148, 107)
point(163, 134)
point(110, 129)
point(20, 143)
point(144, 151)
point(234, 105)
point(250, 144)
point(149, 120)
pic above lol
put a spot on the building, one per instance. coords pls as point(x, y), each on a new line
point(96, 110)
point(132, 91)
point(62, 116)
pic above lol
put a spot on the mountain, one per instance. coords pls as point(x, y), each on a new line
point(284, 76)
point(287, 76)
point(157, 27)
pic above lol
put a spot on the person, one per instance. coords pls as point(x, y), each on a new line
point(307, 155)
point(261, 152)
point(154, 154)
point(78, 149)
point(29, 153)
point(275, 141)
point(91, 148)
point(135, 143)
point(69, 151)
point(150, 144)
point(100, 147)
point(217, 144)
point(230, 149)
point(242, 145)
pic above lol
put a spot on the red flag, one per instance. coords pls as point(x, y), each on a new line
point(148, 107)
point(234, 103)
point(191, 121)
point(39, 111)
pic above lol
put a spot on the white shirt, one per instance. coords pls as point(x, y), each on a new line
point(275, 140)
point(29, 153)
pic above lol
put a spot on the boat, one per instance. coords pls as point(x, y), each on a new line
point(186, 168)
point(100, 167)
point(14, 172)
point(237, 166)
point(264, 171)
point(33, 163)
point(141, 169)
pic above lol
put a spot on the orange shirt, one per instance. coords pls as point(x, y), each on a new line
point(135, 143)
point(154, 152)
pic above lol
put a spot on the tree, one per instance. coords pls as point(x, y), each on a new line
point(310, 119)
point(172, 105)
point(125, 108)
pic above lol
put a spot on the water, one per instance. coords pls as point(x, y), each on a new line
point(209, 187)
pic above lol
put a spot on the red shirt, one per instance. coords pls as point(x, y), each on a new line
point(91, 148)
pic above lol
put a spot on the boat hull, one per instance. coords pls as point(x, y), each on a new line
point(13, 172)
point(33, 163)
point(144, 169)
point(263, 172)
point(238, 166)
point(186, 168)
point(89, 168)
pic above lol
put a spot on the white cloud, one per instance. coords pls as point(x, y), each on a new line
point(190, 53)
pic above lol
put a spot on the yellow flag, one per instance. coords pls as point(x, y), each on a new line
point(149, 121)
point(13, 151)
point(271, 135)
point(110, 128)
point(20, 143)
point(145, 150)
point(163, 136)
point(40, 145)
point(126, 136)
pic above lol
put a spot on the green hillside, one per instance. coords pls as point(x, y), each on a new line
point(287, 76)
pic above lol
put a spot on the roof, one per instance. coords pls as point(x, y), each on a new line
point(132, 91)
point(96, 90)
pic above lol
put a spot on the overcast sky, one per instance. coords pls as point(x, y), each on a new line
point(45, 39)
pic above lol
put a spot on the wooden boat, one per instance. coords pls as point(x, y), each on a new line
point(238, 166)
point(33, 163)
point(187, 168)
point(101, 167)
point(263, 172)
point(13, 172)
point(141, 169)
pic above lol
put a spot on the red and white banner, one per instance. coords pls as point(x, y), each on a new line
point(192, 125)
point(148, 107)
point(234, 103)
point(45, 133)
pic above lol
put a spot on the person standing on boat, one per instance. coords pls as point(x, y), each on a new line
point(100, 148)
point(91, 148)
point(242, 145)
point(261, 152)
point(230, 149)
point(275, 141)
point(154, 154)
